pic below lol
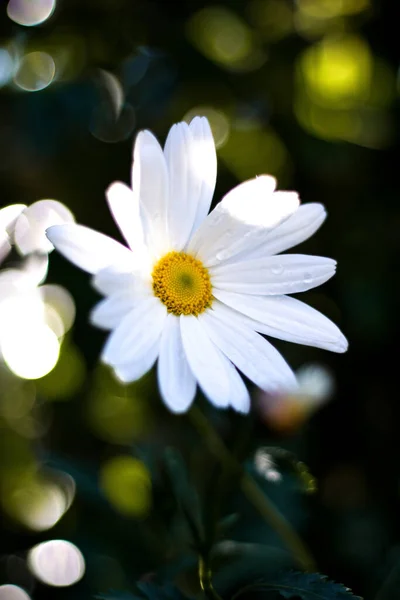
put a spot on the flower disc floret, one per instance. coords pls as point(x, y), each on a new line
point(182, 283)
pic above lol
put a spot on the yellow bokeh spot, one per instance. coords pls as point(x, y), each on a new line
point(273, 18)
point(341, 92)
point(182, 283)
point(125, 482)
point(337, 72)
point(327, 9)
point(223, 37)
point(36, 71)
point(67, 377)
point(118, 419)
point(264, 151)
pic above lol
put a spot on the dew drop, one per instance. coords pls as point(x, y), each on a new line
point(277, 269)
point(308, 278)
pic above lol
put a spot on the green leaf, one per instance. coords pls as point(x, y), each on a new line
point(186, 496)
point(234, 564)
point(306, 586)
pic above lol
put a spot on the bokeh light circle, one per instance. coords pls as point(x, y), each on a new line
point(12, 592)
point(31, 225)
point(57, 562)
point(30, 12)
point(31, 353)
point(7, 66)
point(36, 71)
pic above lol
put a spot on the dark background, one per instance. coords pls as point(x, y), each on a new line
point(306, 91)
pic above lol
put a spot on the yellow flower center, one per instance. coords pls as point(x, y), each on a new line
point(182, 283)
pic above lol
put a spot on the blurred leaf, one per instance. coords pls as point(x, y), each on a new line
point(186, 496)
point(227, 523)
point(236, 563)
point(306, 586)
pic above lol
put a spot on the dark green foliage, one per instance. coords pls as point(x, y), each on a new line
point(294, 584)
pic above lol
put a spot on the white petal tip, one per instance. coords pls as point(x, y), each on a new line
point(52, 233)
point(342, 345)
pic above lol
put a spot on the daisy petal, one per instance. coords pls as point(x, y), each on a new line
point(205, 166)
point(132, 371)
point(239, 398)
point(136, 338)
point(124, 208)
point(286, 318)
point(176, 381)
point(108, 280)
point(108, 313)
point(191, 161)
point(150, 187)
point(274, 275)
point(241, 220)
point(183, 187)
point(301, 225)
point(9, 216)
point(206, 361)
point(249, 351)
point(86, 248)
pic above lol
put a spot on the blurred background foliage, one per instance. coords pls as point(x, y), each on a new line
point(306, 90)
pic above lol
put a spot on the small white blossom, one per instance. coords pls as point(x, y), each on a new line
point(33, 319)
point(195, 290)
point(8, 218)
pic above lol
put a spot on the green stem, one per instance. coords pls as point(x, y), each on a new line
point(205, 580)
point(253, 492)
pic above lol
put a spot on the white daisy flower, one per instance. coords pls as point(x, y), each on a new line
point(33, 319)
point(195, 291)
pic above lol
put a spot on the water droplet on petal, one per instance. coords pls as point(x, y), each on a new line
point(277, 270)
point(308, 278)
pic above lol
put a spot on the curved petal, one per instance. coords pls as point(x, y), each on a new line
point(183, 187)
point(274, 275)
point(8, 217)
point(108, 313)
point(206, 361)
point(239, 398)
point(301, 225)
point(124, 207)
point(249, 351)
point(241, 220)
point(204, 165)
point(134, 370)
point(30, 227)
point(86, 248)
point(286, 318)
point(136, 335)
point(176, 381)
point(150, 187)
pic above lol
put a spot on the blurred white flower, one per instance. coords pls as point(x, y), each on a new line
point(287, 411)
point(265, 465)
point(8, 218)
point(195, 291)
point(31, 225)
point(33, 319)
